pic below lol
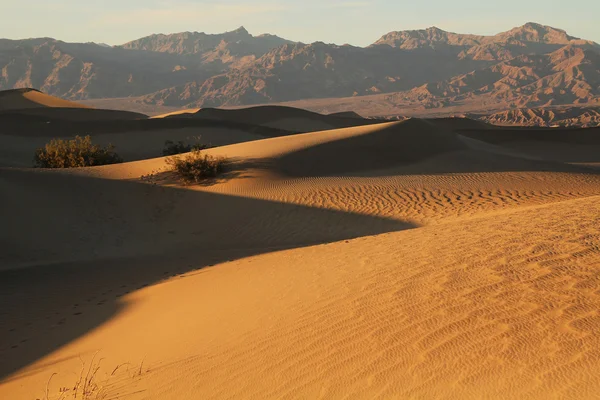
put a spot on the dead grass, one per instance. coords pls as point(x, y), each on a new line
point(89, 384)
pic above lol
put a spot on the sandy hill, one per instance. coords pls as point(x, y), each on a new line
point(183, 112)
point(346, 114)
point(137, 137)
point(19, 99)
point(22, 106)
point(288, 118)
point(568, 145)
point(409, 259)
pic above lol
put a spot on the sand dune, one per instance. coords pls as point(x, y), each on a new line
point(414, 259)
point(18, 151)
point(422, 313)
point(18, 99)
point(74, 114)
point(19, 106)
point(177, 113)
point(569, 145)
point(288, 118)
point(346, 114)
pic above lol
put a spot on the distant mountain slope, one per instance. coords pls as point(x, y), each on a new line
point(529, 66)
point(317, 70)
point(565, 76)
point(240, 42)
point(568, 116)
point(88, 70)
point(78, 71)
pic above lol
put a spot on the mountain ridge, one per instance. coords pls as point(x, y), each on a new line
point(196, 69)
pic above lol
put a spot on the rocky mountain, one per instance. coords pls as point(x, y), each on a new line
point(236, 47)
point(569, 75)
point(88, 70)
point(568, 116)
point(317, 70)
point(431, 37)
point(529, 66)
point(530, 38)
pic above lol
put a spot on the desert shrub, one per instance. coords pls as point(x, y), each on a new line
point(171, 148)
point(196, 166)
point(78, 152)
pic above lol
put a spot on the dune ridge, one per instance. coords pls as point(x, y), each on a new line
point(28, 98)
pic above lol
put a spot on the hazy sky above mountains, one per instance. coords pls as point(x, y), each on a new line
point(358, 22)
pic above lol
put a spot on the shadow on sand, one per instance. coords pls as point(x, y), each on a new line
point(74, 245)
point(419, 147)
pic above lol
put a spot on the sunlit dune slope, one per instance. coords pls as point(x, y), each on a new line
point(16, 99)
point(184, 112)
point(423, 313)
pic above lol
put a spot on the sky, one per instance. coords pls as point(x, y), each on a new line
point(356, 22)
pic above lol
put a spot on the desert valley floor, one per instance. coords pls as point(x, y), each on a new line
point(337, 257)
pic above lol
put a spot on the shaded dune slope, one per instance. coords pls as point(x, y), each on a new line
point(87, 115)
point(110, 218)
point(346, 114)
point(293, 119)
point(376, 147)
point(501, 135)
point(461, 123)
point(571, 145)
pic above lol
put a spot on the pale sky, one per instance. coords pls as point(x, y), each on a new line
point(357, 22)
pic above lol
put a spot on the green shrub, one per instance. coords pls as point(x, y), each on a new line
point(196, 166)
point(171, 148)
point(78, 152)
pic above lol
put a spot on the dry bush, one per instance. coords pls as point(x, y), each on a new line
point(172, 148)
point(78, 152)
point(196, 166)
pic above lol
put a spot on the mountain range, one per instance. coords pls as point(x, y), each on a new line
point(529, 66)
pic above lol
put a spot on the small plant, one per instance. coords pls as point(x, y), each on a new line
point(196, 166)
point(171, 148)
point(90, 385)
point(78, 152)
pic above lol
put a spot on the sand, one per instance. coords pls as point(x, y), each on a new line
point(392, 260)
point(280, 117)
point(177, 113)
point(18, 99)
point(18, 151)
